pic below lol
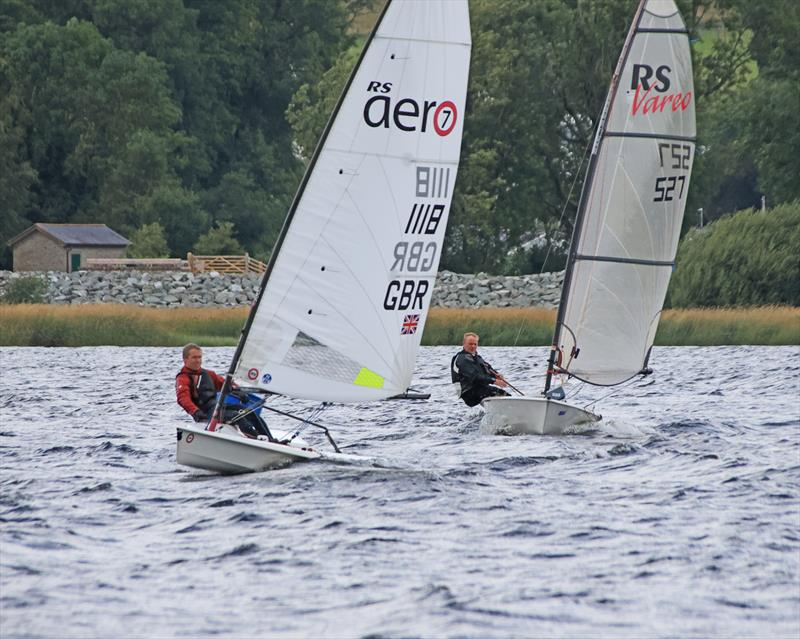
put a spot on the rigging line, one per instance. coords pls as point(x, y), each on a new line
point(307, 421)
point(561, 217)
point(314, 413)
point(617, 388)
point(569, 194)
point(577, 391)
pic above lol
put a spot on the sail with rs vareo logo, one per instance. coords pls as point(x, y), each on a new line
point(629, 220)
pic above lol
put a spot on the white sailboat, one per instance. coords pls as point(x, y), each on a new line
point(627, 228)
point(344, 300)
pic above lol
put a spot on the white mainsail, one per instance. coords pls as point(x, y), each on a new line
point(346, 295)
point(629, 220)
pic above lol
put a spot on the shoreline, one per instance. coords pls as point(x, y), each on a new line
point(24, 325)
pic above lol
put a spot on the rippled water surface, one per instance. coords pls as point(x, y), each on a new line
point(678, 516)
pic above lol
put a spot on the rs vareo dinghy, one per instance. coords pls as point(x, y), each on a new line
point(626, 231)
point(345, 296)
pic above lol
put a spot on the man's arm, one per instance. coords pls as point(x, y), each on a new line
point(471, 372)
point(184, 394)
point(498, 378)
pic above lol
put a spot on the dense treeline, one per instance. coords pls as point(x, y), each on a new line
point(184, 124)
point(749, 258)
point(158, 112)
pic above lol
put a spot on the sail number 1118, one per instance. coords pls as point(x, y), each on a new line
point(678, 156)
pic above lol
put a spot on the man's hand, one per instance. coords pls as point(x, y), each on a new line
point(199, 416)
point(499, 380)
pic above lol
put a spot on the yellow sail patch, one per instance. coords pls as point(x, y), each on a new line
point(369, 379)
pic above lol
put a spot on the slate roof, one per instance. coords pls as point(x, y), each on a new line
point(75, 234)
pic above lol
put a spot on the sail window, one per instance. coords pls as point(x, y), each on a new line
point(310, 356)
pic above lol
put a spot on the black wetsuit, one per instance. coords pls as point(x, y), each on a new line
point(476, 378)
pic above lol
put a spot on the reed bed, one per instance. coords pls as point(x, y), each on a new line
point(496, 326)
point(762, 325)
point(123, 325)
point(117, 325)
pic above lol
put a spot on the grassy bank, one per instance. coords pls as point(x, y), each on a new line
point(117, 324)
point(120, 325)
point(767, 325)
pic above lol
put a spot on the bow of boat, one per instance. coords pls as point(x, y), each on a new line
point(531, 416)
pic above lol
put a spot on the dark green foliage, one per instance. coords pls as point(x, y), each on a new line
point(189, 113)
point(748, 89)
point(28, 289)
point(748, 258)
point(134, 112)
point(219, 241)
point(149, 241)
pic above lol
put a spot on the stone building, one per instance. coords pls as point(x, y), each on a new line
point(64, 247)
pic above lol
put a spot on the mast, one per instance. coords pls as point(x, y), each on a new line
point(290, 215)
point(587, 184)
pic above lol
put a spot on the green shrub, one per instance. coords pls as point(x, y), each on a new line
point(149, 241)
point(28, 289)
point(749, 258)
point(218, 241)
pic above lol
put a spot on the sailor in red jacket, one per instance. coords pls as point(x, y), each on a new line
point(196, 387)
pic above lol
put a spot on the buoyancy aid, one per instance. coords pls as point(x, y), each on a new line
point(455, 376)
point(201, 389)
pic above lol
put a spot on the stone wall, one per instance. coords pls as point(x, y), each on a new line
point(170, 289)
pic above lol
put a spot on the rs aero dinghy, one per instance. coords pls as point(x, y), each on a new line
point(626, 231)
point(345, 296)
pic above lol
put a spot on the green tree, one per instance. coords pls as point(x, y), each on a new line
point(149, 110)
point(748, 120)
point(17, 179)
point(149, 241)
point(748, 258)
point(313, 103)
point(256, 214)
point(219, 241)
point(97, 123)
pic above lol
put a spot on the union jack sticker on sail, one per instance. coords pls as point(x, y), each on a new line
point(410, 323)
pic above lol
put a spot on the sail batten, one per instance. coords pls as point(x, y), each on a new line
point(628, 225)
point(624, 260)
point(345, 299)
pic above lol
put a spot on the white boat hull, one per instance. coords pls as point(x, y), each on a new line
point(227, 451)
point(531, 416)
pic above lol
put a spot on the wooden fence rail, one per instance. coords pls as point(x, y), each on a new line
point(194, 263)
point(225, 264)
point(121, 264)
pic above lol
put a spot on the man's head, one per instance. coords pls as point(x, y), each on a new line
point(470, 343)
point(193, 357)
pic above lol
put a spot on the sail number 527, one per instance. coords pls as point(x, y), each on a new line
point(678, 156)
point(665, 187)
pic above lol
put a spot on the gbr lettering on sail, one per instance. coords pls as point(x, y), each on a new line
point(415, 256)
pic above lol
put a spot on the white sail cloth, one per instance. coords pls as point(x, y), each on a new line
point(343, 310)
point(633, 204)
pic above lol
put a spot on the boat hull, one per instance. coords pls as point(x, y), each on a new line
point(227, 451)
point(531, 416)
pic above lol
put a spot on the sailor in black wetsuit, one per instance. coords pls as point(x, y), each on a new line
point(475, 375)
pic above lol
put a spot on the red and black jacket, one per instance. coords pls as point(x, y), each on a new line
point(197, 390)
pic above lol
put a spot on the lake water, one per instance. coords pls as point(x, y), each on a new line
point(679, 516)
